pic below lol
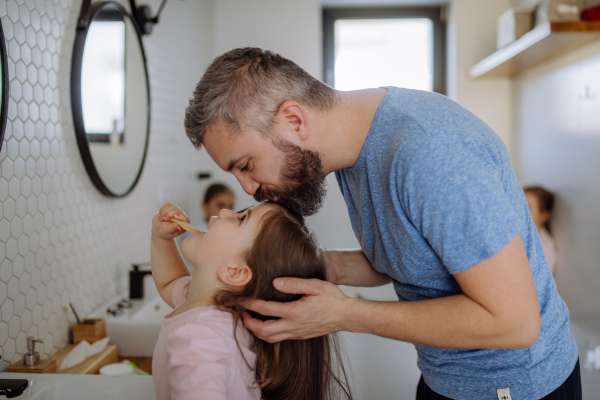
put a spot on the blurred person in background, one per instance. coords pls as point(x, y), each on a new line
point(541, 204)
point(217, 197)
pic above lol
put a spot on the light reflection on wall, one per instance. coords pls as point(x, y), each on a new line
point(383, 52)
point(103, 77)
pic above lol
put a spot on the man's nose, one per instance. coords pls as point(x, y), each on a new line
point(248, 184)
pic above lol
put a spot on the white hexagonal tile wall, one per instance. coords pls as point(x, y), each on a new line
point(60, 240)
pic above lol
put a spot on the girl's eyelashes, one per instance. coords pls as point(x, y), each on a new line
point(242, 217)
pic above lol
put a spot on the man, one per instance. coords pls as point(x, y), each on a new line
point(435, 206)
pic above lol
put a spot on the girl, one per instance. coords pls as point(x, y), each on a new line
point(541, 204)
point(203, 351)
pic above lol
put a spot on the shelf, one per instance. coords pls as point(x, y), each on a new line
point(541, 44)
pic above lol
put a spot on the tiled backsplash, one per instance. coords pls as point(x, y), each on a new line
point(61, 241)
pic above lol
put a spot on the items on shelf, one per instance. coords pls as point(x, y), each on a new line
point(513, 24)
point(591, 14)
point(558, 11)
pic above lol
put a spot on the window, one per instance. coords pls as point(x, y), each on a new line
point(103, 77)
point(374, 47)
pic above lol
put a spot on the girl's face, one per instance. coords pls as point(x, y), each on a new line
point(227, 239)
point(216, 204)
point(539, 217)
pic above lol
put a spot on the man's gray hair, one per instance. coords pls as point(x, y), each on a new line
point(245, 88)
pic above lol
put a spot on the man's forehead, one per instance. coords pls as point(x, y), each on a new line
point(224, 144)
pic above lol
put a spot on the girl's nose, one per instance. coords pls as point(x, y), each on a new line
point(225, 213)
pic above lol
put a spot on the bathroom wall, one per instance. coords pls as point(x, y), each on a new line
point(61, 241)
point(472, 37)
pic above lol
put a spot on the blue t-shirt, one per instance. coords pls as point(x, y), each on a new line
point(432, 194)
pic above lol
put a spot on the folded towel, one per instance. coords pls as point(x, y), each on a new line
point(82, 351)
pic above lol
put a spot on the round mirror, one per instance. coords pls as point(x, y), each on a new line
point(110, 98)
point(3, 85)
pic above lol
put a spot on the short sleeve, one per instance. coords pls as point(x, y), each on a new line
point(453, 191)
point(180, 291)
point(197, 363)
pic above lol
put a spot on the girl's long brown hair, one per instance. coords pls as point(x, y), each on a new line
point(293, 369)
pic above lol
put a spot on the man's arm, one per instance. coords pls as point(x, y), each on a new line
point(351, 268)
point(498, 310)
point(166, 261)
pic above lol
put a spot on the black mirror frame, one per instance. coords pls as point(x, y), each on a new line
point(88, 11)
point(5, 85)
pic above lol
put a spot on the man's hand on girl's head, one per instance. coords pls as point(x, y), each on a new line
point(321, 311)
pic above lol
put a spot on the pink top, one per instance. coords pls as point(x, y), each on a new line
point(197, 357)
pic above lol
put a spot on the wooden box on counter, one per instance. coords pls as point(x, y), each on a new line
point(90, 330)
point(90, 365)
point(46, 366)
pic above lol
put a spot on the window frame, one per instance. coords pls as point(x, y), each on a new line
point(435, 14)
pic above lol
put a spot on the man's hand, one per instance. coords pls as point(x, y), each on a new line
point(319, 312)
point(162, 227)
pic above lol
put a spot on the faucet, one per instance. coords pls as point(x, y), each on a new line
point(136, 280)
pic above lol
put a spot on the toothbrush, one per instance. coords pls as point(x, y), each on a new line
point(184, 225)
point(72, 309)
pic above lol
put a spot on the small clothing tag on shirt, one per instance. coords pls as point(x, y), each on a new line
point(504, 394)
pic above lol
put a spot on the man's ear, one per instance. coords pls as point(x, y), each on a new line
point(235, 276)
point(293, 114)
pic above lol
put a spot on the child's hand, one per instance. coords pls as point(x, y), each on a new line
point(162, 227)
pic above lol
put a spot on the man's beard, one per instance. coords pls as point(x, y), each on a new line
point(303, 186)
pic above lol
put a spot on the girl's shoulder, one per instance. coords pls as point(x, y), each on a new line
point(211, 328)
point(208, 317)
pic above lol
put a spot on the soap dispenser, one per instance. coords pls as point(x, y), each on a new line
point(31, 362)
point(32, 357)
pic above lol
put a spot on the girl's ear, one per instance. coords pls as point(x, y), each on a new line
point(235, 276)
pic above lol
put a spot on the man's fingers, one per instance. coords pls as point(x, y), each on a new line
point(268, 308)
point(298, 286)
point(270, 331)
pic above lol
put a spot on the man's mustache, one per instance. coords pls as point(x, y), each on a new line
point(265, 193)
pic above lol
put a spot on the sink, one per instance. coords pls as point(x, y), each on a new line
point(152, 311)
point(88, 387)
point(136, 330)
